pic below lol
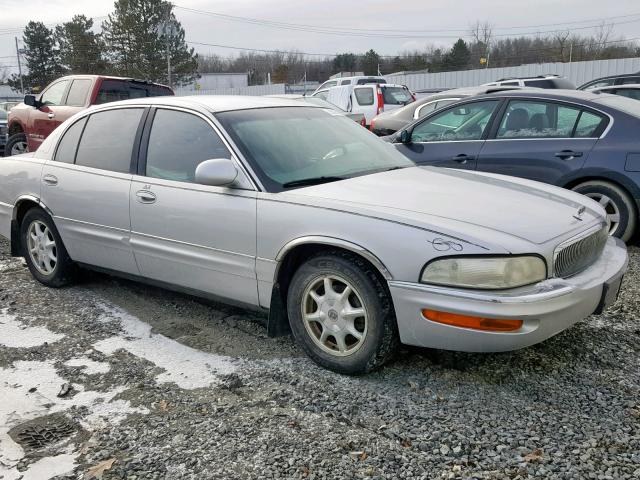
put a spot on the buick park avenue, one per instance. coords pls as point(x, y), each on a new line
point(281, 206)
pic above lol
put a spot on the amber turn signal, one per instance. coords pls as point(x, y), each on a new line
point(475, 323)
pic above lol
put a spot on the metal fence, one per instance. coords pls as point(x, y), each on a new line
point(577, 72)
point(273, 89)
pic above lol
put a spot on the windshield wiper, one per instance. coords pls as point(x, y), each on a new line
point(311, 181)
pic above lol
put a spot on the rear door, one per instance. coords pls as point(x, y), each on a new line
point(541, 140)
point(364, 99)
point(452, 137)
point(87, 186)
point(395, 96)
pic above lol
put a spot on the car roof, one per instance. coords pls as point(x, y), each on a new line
point(633, 86)
point(215, 103)
point(559, 94)
point(111, 77)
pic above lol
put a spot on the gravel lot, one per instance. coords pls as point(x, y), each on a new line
point(165, 386)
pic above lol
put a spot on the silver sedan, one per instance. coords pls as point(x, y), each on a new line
point(281, 206)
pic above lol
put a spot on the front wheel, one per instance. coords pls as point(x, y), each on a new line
point(341, 313)
point(16, 144)
point(620, 208)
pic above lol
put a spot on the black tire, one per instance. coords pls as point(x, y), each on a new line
point(64, 270)
point(620, 201)
point(14, 140)
point(381, 339)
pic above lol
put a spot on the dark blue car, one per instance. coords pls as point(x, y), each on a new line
point(587, 142)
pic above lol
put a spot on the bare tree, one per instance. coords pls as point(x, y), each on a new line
point(561, 41)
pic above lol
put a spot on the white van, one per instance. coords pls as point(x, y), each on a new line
point(359, 80)
point(369, 99)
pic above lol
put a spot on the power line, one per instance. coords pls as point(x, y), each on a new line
point(380, 33)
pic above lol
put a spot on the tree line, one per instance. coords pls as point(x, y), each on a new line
point(134, 40)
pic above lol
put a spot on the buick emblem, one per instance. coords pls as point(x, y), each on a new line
point(578, 215)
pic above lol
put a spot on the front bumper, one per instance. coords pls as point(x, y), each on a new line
point(546, 308)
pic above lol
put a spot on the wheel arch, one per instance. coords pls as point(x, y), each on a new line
point(610, 177)
point(292, 255)
point(15, 127)
point(22, 205)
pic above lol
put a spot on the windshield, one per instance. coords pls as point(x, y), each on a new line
point(291, 144)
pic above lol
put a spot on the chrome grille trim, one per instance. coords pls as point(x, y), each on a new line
point(580, 252)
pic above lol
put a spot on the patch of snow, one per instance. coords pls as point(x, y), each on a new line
point(45, 468)
point(18, 405)
point(15, 334)
point(90, 367)
point(187, 367)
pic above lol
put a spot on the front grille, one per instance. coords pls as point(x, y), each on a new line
point(574, 257)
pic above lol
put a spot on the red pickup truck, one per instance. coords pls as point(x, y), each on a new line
point(29, 123)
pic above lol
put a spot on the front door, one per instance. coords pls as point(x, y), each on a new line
point(539, 140)
point(87, 186)
point(51, 114)
point(451, 138)
point(196, 236)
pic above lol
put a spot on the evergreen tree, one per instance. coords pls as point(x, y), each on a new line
point(42, 58)
point(369, 63)
point(458, 57)
point(136, 35)
point(81, 50)
point(345, 62)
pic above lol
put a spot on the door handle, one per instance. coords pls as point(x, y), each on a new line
point(51, 115)
point(568, 154)
point(145, 196)
point(463, 158)
point(50, 180)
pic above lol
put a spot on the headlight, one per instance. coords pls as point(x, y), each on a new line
point(485, 272)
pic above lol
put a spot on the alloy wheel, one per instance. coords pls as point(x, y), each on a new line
point(613, 212)
point(19, 148)
point(42, 247)
point(334, 315)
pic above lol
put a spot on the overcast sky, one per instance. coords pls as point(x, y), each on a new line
point(411, 17)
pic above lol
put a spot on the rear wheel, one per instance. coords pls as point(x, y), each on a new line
point(16, 145)
point(620, 208)
point(341, 313)
point(44, 251)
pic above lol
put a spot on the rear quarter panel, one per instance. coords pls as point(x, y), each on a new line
point(19, 178)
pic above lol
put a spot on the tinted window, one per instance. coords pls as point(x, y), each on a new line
point(114, 90)
point(107, 141)
point(444, 103)
point(508, 84)
point(178, 143)
point(322, 95)
point(589, 125)
point(364, 96)
point(67, 147)
point(364, 81)
point(345, 82)
point(600, 83)
point(78, 92)
point(628, 80)
point(329, 84)
point(396, 95)
point(629, 93)
point(525, 119)
point(465, 122)
point(55, 93)
point(539, 83)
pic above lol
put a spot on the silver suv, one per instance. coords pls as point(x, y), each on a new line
point(541, 81)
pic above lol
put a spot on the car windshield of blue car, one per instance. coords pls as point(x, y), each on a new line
point(290, 147)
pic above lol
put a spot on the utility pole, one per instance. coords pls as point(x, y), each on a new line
point(168, 31)
point(19, 67)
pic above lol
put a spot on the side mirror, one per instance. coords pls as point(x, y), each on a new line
point(405, 136)
point(31, 101)
point(219, 172)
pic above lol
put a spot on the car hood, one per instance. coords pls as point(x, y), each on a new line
point(430, 198)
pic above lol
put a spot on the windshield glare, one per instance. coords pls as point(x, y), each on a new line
point(288, 144)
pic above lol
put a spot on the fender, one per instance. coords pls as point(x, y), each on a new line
point(336, 242)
